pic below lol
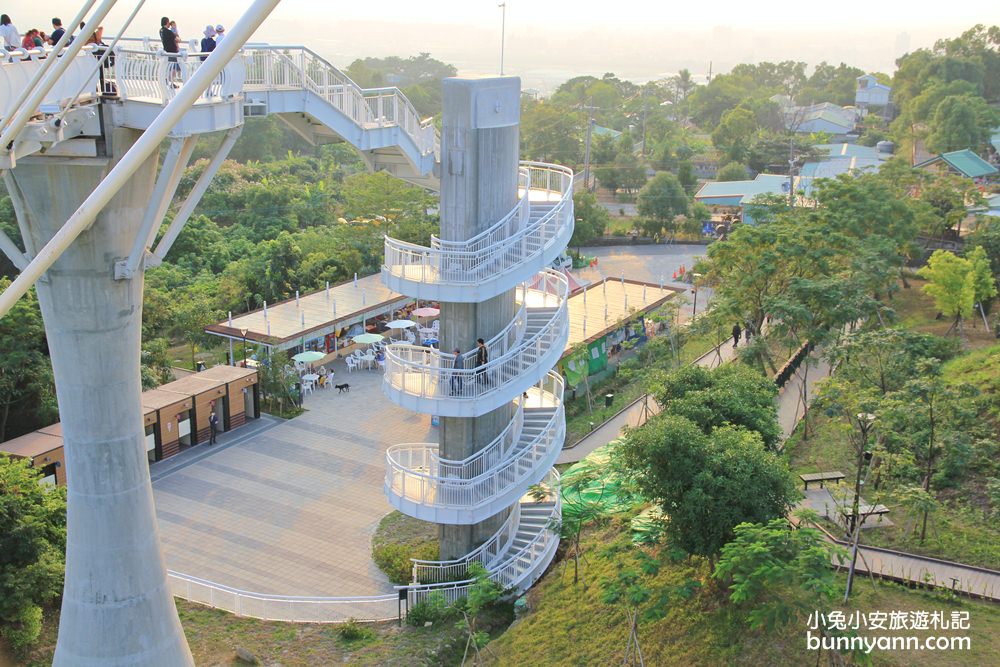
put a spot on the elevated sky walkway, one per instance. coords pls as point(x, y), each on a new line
point(312, 96)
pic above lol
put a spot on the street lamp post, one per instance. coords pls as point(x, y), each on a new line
point(865, 421)
point(243, 331)
point(503, 30)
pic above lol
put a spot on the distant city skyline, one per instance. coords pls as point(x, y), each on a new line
point(549, 41)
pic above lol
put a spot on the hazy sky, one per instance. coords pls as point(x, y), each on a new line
point(548, 41)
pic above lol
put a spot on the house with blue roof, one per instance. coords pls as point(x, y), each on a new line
point(738, 194)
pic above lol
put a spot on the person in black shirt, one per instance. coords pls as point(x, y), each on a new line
point(169, 40)
point(57, 31)
point(482, 358)
point(168, 37)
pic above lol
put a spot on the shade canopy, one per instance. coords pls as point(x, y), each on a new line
point(309, 356)
point(367, 338)
point(427, 311)
point(400, 324)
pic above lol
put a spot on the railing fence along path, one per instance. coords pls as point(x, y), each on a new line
point(145, 74)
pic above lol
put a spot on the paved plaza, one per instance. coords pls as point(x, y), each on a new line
point(289, 509)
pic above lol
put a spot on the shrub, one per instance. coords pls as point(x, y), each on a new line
point(393, 558)
point(24, 629)
point(352, 632)
point(433, 609)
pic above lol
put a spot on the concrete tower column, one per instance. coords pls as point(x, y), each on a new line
point(117, 609)
point(479, 155)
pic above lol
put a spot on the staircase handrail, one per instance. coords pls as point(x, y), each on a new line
point(432, 571)
point(403, 113)
point(505, 573)
point(404, 358)
point(466, 263)
point(469, 493)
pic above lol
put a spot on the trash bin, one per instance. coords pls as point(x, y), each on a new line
point(200, 367)
point(608, 400)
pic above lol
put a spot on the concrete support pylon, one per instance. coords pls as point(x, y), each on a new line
point(479, 156)
point(117, 609)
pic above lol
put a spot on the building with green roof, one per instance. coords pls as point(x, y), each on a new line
point(964, 162)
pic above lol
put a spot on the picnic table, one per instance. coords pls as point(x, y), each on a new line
point(821, 477)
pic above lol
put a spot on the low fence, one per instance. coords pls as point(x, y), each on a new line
point(290, 608)
point(786, 372)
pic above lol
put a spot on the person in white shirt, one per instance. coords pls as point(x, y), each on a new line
point(220, 33)
point(8, 33)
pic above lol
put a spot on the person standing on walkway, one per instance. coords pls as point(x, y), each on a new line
point(482, 358)
point(8, 33)
point(736, 335)
point(57, 31)
point(213, 425)
point(747, 330)
point(455, 383)
point(208, 41)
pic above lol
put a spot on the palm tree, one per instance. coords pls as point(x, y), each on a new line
point(683, 83)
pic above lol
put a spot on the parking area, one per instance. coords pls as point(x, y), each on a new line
point(290, 508)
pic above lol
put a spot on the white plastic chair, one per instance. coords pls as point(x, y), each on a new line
point(307, 387)
point(410, 338)
point(352, 363)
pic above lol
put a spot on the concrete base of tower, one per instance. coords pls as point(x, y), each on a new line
point(117, 609)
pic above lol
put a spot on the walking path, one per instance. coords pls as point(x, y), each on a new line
point(636, 413)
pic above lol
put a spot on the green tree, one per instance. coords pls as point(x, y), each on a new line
point(661, 200)
point(961, 122)
point(732, 394)
point(732, 171)
point(951, 284)
point(778, 574)
point(27, 389)
point(984, 286)
point(32, 544)
point(591, 219)
point(706, 484)
point(686, 177)
point(735, 133)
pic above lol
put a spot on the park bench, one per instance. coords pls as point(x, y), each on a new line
point(821, 477)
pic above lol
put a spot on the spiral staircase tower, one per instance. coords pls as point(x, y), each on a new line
point(502, 424)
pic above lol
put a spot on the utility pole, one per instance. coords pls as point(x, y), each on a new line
point(503, 31)
point(586, 151)
point(645, 90)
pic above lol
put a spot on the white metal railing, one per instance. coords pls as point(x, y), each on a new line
point(470, 467)
point(513, 240)
point(156, 76)
point(514, 565)
point(273, 67)
point(486, 554)
point(18, 68)
point(431, 373)
point(145, 72)
point(414, 473)
point(296, 609)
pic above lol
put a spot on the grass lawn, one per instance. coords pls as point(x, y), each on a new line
point(180, 355)
point(214, 635)
point(570, 625)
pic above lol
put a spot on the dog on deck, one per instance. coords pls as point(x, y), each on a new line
point(343, 387)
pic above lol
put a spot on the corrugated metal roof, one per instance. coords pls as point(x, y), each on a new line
point(965, 162)
point(852, 150)
point(734, 193)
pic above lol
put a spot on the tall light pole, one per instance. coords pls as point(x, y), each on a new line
point(244, 332)
point(503, 30)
